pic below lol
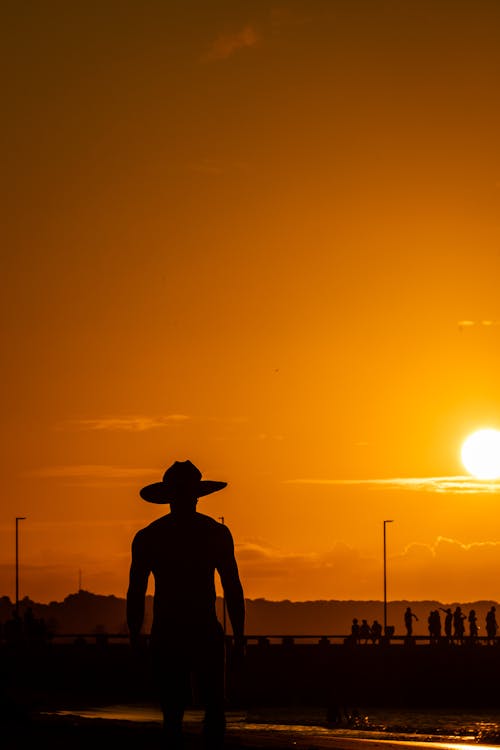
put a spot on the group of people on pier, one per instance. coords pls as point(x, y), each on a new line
point(456, 624)
point(366, 633)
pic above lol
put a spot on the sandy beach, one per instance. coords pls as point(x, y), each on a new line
point(77, 733)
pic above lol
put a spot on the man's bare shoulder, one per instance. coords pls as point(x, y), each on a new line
point(211, 524)
point(170, 527)
point(199, 519)
point(153, 528)
point(208, 520)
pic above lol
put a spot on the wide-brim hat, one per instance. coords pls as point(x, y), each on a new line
point(180, 479)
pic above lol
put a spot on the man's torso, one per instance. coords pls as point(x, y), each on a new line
point(183, 553)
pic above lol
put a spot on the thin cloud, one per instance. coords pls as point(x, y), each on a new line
point(445, 569)
point(259, 553)
point(226, 45)
point(306, 574)
point(251, 551)
point(452, 485)
point(446, 545)
point(450, 569)
point(129, 424)
point(92, 471)
point(463, 324)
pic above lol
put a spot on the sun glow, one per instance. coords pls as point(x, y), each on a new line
point(481, 454)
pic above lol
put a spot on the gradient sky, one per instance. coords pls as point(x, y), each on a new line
point(263, 236)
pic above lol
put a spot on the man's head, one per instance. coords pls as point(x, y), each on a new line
point(184, 497)
point(184, 506)
point(181, 486)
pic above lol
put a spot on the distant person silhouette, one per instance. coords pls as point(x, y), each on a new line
point(448, 622)
point(183, 550)
point(430, 624)
point(355, 630)
point(437, 624)
point(434, 623)
point(364, 631)
point(376, 631)
point(491, 625)
point(473, 628)
point(458, 625)
point(409, 617)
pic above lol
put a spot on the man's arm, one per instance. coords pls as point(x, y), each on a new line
point(138, 582)
point(230, 579)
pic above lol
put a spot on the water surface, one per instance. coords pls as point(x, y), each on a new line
point(439, 727)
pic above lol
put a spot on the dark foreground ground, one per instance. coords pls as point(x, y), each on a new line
point(74, 733)
point(55, 677)
point(75, 675)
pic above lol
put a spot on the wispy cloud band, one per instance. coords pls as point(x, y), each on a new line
point(462, 324)
point(94, 471)
point(135, 423)
point(455, 485)
point(444, 569)
point(225, 45)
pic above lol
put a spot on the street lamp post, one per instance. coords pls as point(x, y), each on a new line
point(385, 579)
point(18, 518)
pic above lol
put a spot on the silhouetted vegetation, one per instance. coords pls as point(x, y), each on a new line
point(85, 612)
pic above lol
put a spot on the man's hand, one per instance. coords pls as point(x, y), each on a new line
point(238, 648)
point(236, 673)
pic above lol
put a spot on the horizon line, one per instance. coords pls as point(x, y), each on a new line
point(263, 599)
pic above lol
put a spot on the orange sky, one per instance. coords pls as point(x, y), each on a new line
point(246, 234)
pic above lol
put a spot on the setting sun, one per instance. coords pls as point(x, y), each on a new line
point(481, 454)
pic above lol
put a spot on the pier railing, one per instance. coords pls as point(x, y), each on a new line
point(279, 670)
point(289, 641)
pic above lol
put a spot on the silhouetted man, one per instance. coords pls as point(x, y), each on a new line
point(491, 625)
point(448, 622)
point(183, 550)
point(458, 625)
point(473, 627)
point(409, 617)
